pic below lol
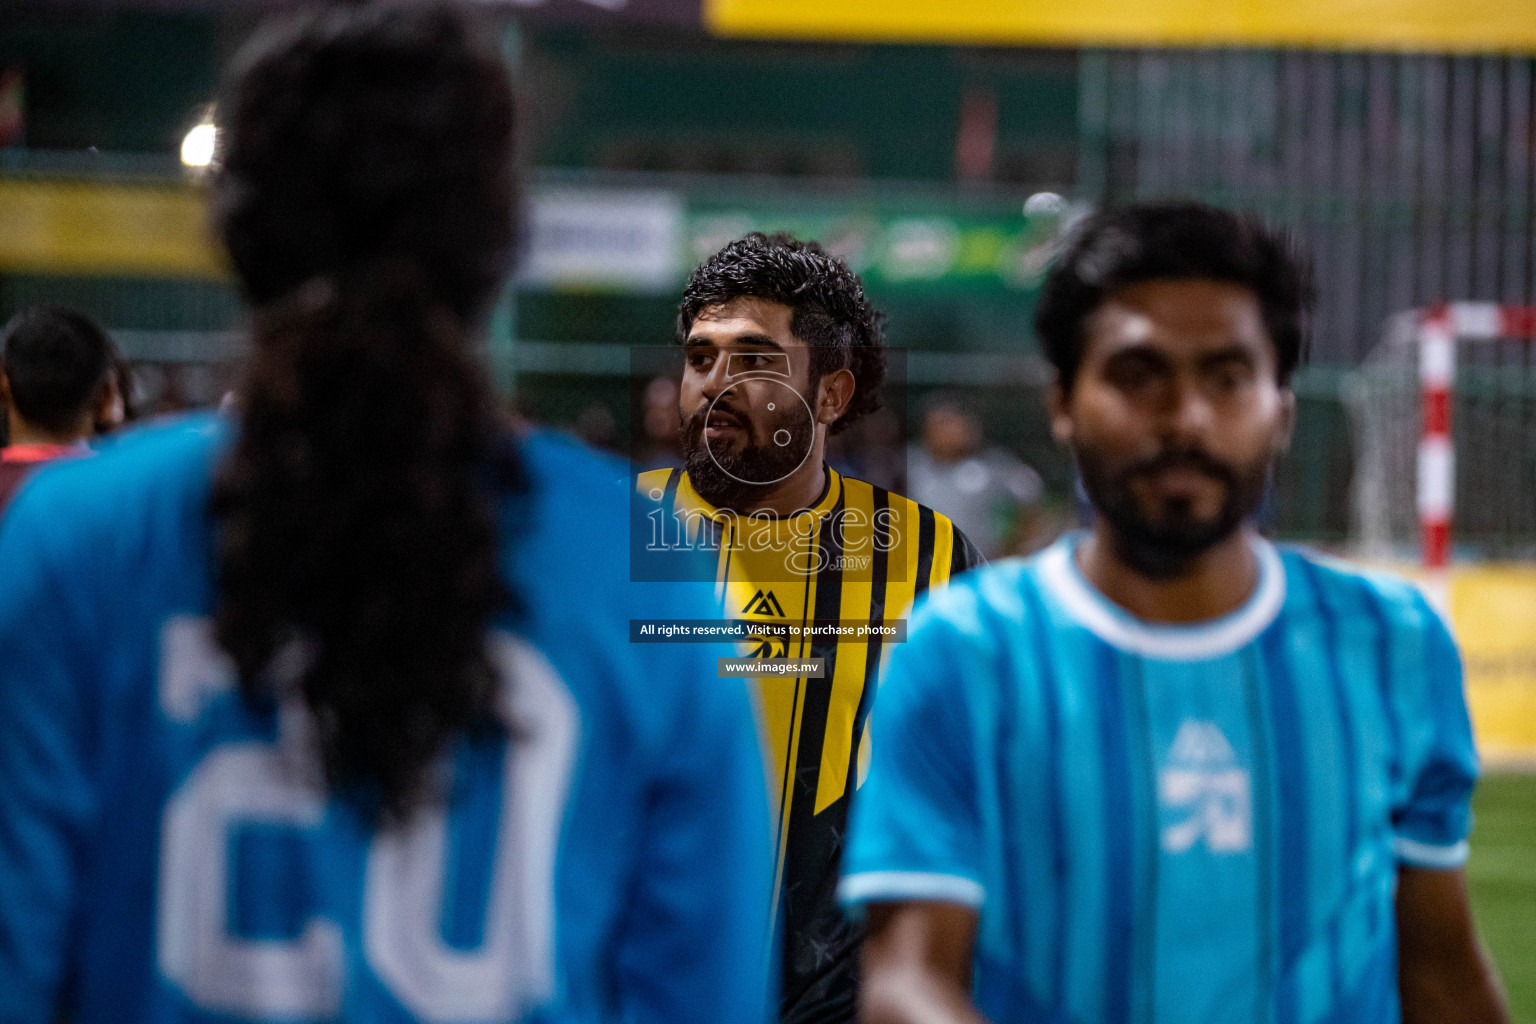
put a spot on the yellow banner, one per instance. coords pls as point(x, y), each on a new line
point(1495, 26)
point(1493, 612)
point(51, 227)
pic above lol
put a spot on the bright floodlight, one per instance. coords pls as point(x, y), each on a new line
point(197, 147)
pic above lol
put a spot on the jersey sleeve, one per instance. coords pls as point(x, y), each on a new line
point(915, 832)
point(1431, 824)
point(964, 555)
point(47, 792)
point(694, 949)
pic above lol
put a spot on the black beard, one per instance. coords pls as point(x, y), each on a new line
point(1166, 549)
point(722, 479)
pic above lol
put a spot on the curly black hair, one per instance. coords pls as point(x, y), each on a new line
point(831, 314)
point(365, 195)
point(1178, 241)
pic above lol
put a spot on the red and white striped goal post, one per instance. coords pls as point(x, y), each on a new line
point(1440, 329)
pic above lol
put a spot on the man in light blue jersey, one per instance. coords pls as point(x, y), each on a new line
point(1166, 771)
point(325, 712)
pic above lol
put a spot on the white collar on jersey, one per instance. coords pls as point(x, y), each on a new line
point(1114, 625)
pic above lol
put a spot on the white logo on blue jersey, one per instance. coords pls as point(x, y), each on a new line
point(1204, 780)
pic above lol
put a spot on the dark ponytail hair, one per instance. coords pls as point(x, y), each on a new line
point(365, 196)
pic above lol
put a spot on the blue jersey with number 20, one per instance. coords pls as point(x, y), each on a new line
point(169, 853)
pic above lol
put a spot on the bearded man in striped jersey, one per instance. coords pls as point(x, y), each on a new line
point(783, 349)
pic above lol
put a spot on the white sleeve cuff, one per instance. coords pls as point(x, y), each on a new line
point(900, 886)
point(1428, 855)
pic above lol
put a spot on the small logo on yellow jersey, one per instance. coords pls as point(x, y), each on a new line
point(764, 604)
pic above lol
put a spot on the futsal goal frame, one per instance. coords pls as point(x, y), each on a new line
point(1438, 331)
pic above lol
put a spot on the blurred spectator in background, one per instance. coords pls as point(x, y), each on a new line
point(657, 447)
point(57, 384)
point(596, 426)
point(872, 450)
point(989, 493)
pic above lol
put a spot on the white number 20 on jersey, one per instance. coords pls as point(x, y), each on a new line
point(249, 782)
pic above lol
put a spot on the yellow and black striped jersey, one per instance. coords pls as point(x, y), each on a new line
point(860, 555)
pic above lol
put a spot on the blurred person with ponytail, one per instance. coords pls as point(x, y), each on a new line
point(365, 739)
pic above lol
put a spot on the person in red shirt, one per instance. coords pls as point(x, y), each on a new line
point(56, 384)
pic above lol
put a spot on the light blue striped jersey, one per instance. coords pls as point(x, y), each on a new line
point(169, 855)
point(1192, 824)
